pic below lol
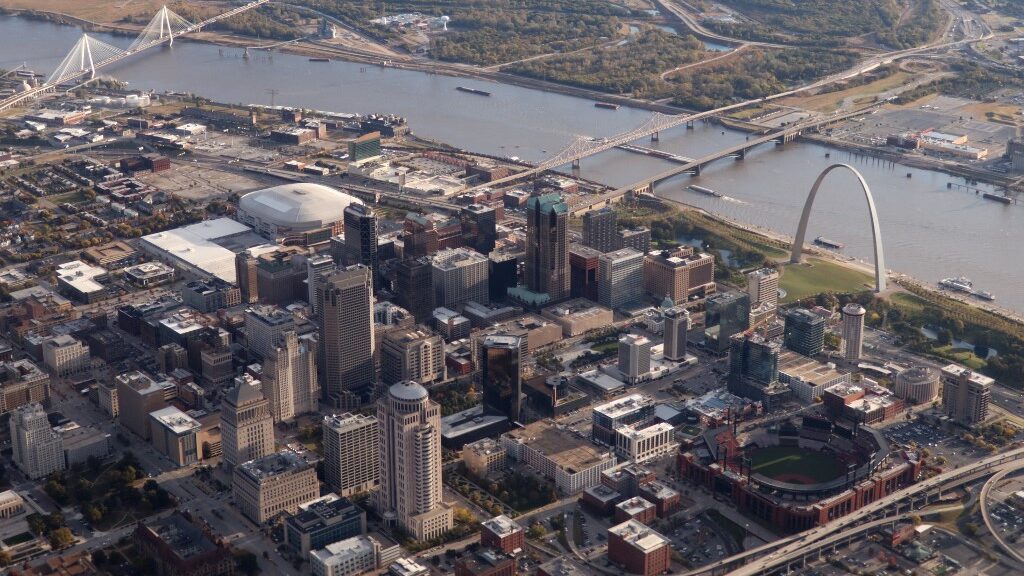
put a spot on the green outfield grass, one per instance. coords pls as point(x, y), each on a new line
point(780, 461)
point(816, 276)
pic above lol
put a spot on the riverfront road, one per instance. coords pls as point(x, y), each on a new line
point(787, 550)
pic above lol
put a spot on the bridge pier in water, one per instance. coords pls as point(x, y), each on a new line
point(654, 136)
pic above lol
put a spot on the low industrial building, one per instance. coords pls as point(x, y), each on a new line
point(202, 250)
point(149, 274)
point(81, 282)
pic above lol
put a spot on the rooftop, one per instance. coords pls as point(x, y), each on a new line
point(180, 535)
point(283, 462)
point(957, 371)
point(80, 276)
point(796, 366)
point(634, 505)
point(297, 204)
point(502, 525)
point(195, 244)
point(567, 450)
point(622, 406)
point(175, 420)
point(640, 536)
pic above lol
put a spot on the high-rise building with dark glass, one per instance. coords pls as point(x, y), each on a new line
point(346, 332)
point(805, 332)
point(361, 238)
point(547, 246)
point(413, 280)
point(501, 375)
point(677, 325)
point(725, 314)
point(479, 227)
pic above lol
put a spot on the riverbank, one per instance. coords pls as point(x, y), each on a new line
point(899, 282)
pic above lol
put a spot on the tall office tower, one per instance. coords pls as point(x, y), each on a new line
point(754, 370)
point(547, 246)
point(346, 332)
point(361, 238)
point(420, 237)
point(412, 354)
point(246, 425)
point(264, 325)
point(38, 449)
point(620, 278)
point(413, 278)
point(804, 332)
point(638, 239)
point(410, 462)
point(599, 229)
point(137, 396)
point(245, 275)
point(501, 374)
point(289, 378)
point(725, 314)
point(763, 286)
point(584, 264)
point(317, 268)
point(479, 227)
point(677, 325)
point(965, 395)
point(351, 457)
point(853, 331)
point(458, 276)
point(634, 357)
point(503, 274)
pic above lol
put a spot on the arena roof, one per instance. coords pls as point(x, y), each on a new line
point(300, 205)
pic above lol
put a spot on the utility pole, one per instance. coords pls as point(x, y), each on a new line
point(273, 92)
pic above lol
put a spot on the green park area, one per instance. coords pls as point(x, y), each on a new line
point(815, 276)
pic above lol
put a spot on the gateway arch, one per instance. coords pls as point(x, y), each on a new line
point(876, 235)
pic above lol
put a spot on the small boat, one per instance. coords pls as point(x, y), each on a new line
point(960, 284)
point(985, 295)
point(997, 198)
point(472, 91)
point(606, 105)
point(704, 190)
point(822, 241)
point(319, 59)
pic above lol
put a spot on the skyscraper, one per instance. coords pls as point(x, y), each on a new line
point(480, 227)
point(599, 229)
point(726, 314)
point(620, 278)
point(458, 276)
point(763, 286)
point(412, 354)
point(804, 332)
point(410, 462)
point(289, 378)
point(264, 325)
point(501, 375)
point(853, 331)
point(547, 246)
point(965, 395)
point(677, 325)
point(634, 357)
point(38, 449)
point(246, 426)
point(317, 268)
point(351, 457)
point(361, 238)
point(413, 277)
point(346, 332)
point(754, 369)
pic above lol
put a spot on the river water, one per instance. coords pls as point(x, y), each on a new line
point(929, 231)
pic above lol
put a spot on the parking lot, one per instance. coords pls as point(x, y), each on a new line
point(698, 543)
point(917, 432)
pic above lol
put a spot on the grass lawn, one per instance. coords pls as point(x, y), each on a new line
point(775, 461)
point(19, 538)
point(816, 276)
point(909, 302)
point(965, 357)
point(73, 197)
point(605, 347)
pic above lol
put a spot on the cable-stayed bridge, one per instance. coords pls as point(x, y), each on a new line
point(89, 54)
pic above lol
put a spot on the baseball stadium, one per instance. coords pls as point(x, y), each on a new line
point(797, 475)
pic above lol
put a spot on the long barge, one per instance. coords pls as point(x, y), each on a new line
point(473, 91)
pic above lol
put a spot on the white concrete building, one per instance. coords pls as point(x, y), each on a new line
point(639, 445)
point(348, 557)
point(64, 355)
point(351, 453)
point(38, 449)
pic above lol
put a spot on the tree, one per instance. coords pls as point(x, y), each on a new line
point(536, 530)
point(945, 336)
point(5, 557)
point(247, 563)
point(61, 538)
point(36, 523)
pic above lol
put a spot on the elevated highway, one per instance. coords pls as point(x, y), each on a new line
point(786, 552)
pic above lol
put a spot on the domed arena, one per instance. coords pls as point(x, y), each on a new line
point(296, 214)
